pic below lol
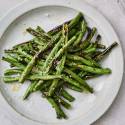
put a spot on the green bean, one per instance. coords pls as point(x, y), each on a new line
point(37, 85)
point(8, 79)
point(72, 68)
point(101, 46)
point(88, 57)
point(59, 111)
point(62, 102)
point(55, 102)
point(105, 52)
point(61, 51)
point(58, 28)
point(91, 69)
point(75, 21)
point(89, 31)
point(41, 42)
point(81, 81)
point(55, 82)
point(44, 77)
point(8, 51)
point(28, 56)
point(90, 50)
point(72, 33)
point(27, 70)
point(15, 57)
point(91, 45)
point(56, 37)
point(51, 56)
point(71, 23)
point(12, 71)
point(25, 54)
point(90, 76)
point(46, 85)
point(30, 65)
point(66, 95)
point(87, 41)
point(95, 54)
point(60, 66)
point(29, 90)
point(22, 44)
point(98, 38)
point(38, 34)
point(11, 57)
point(78, 40)
point(82, 33)
point(71, 81)
point(74, 88)
point(41, 86)
point(73, 50)
point(30, 47)
point(40, 30)
point(82, 74)
point(13, 62)
point(83, 60)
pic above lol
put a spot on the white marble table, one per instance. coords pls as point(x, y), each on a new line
point(110, 9)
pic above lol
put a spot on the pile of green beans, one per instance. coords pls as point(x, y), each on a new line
point(60, 59)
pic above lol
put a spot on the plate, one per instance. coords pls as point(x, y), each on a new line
point(88, 107)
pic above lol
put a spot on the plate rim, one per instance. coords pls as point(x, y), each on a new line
point(31, 4)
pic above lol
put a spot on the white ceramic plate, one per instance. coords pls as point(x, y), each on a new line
point(87, 108)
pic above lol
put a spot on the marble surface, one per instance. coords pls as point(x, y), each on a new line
point(116, 16)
